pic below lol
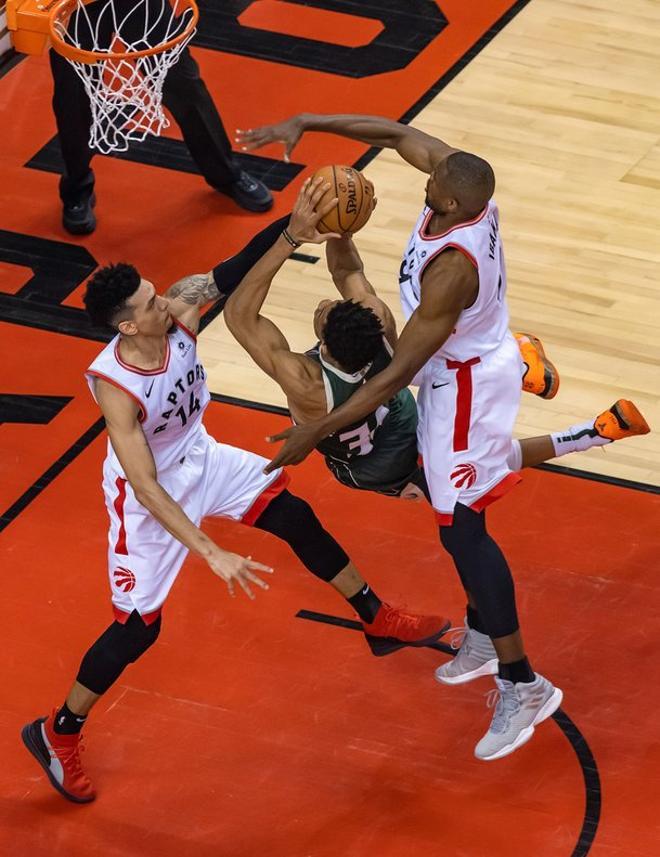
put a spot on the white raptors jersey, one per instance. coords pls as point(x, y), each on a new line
point(482, 327)
point(171, 399)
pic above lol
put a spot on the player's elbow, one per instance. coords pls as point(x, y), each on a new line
point(233, 316)
point(147, 492)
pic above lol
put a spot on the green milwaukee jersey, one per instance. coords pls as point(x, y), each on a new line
point(380, 450)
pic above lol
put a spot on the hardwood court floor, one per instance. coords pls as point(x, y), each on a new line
point(561, 103)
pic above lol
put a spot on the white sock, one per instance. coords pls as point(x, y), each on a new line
point(514, 458)
point(577, 439)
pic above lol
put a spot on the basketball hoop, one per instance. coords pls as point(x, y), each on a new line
point(122, 52)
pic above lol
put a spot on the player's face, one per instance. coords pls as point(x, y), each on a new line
point(320, 316)
point(151, 313)
point(438, 196)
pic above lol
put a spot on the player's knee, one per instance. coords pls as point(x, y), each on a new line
point(292, 519)
point(120, 645)
point(466, 532)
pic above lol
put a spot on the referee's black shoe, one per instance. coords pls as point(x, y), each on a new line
point(78, 218)
point(250, 193)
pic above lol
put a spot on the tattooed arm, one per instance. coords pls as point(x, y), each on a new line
point(189, 295)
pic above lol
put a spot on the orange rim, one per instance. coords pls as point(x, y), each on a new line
point(63, 11)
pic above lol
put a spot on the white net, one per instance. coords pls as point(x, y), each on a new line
point(125, 87)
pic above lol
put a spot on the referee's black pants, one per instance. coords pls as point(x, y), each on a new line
point(186, 97)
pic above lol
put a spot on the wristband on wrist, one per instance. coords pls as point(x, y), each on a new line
point(295, 244)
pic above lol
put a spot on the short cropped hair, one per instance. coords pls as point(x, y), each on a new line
point(107, 292)
point(469, 176)
point(353, 335)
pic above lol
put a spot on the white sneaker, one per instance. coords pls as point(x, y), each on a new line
point(475, 657)
point(520, 707)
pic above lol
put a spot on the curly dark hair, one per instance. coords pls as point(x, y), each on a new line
point(107, 292)
point(353, 335)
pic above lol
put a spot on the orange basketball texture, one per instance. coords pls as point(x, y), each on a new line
point(356, 199)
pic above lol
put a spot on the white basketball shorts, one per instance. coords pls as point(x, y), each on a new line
point(212, 480)
point(467, 412)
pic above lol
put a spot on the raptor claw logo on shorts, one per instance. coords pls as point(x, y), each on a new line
point(124, 579)
point(464, 476)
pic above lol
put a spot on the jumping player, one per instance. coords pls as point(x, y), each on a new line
point(453, 290)
point(356, 339)
point(162, 475)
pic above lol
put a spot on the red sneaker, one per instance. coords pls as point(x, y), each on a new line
point(59, 756)
point(393, 629)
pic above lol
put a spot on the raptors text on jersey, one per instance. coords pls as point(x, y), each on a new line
point(171, 399)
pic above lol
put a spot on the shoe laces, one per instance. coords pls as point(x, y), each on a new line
point(506, 704)
point(401, 618)
point(459, 635)
point(70, 759)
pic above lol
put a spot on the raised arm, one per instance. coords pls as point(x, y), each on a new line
point(450, 285)
point(188, 295)
point(260, 337)
point(419, 149)
point(132, 450)
point(347, 272)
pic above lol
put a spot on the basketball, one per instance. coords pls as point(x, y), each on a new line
point(356, 199)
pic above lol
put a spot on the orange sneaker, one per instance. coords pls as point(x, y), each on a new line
point(393, 629)
point(623, 419)
point(59, 756)
point(541, 376)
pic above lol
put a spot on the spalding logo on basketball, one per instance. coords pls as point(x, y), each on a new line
point(464, 476)
point(355, 195)
point(124, 579)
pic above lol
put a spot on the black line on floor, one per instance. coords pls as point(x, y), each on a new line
point(53, 471)
point(645, 487)
point(592, 788)
point(448, 76)
point(575, 738)
point(600, 477)
point(304, 257)
point(353, 625)
point(172, 154)
point(246, 403)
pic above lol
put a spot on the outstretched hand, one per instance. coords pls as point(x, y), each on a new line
point(300, 441)
point(233, 569)
point(305, 216)
point(287, 132)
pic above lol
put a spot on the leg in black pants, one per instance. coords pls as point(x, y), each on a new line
point(525, 698)
point(186, 96)
point(73, 118)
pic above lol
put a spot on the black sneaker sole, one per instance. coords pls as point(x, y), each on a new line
point(251, 205)
point(386, 645)
point(31, 735)
point(81, 227)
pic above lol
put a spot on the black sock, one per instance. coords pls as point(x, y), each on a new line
point(228, 274)
point(473, 620)
point(516, 671)
point(366, 603)
point(68, 723)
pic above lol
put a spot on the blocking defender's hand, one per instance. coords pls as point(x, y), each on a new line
point(233, 568)
point(300, 441)
point(306, 216)
point(287, 132)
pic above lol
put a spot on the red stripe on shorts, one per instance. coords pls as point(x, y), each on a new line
point(463, 401)
point(120, 499)
point(122, 616)
point(267, 496)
